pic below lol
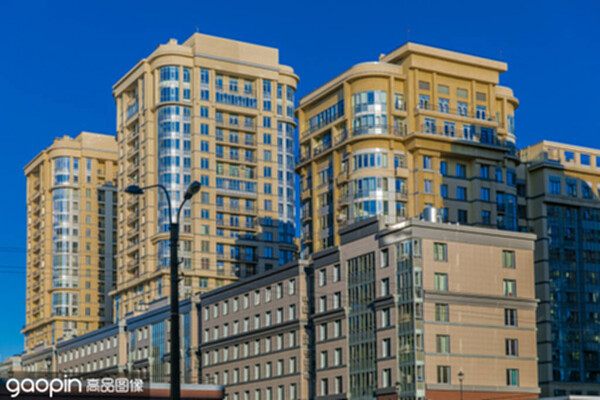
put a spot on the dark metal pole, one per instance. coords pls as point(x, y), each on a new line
point(175, 355)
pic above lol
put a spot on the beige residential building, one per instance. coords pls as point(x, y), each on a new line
point(421, 126)
point(563, 188)
point(71, 228)
point(401, 312)
point(216, 111)
point(254, 337)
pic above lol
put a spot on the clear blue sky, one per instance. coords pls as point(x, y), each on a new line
point(62, 58)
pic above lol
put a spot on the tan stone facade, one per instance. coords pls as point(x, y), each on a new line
point(71, 206)
point(219, 112)
point(421, 126)
point(401, 311)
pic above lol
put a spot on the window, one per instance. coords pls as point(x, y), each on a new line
point(385, 317)
point(441, 281)
point(444, 191)
point(338, 389)
point(486, 217)
point(485, 194)
point(443, 168)
point(584, 159)
point(337, 300)
point(386, 347)
point(322, 304)
point(385, 287)
point(461, 170)
point(292, 287)
point(386, 377)
point(337, 274)
point(443, 343)
point(323, 359)
point(461, 193)
point(337, 328)
point(427, 162)
point(569, 156)
point(322, 277)
point(440, 252)
point(324, 387)
point(443, 374)
point(555, 185)
point(462, 92)
point(510, 317)
point(323, 332)
point(512, 377)
point(427, 186)
point(423, 85)
point(337, 357)
point(510, 287)
point(508, 259)
point(571, 187)
point(441, 313)
point(512, 347)
point(384, 258)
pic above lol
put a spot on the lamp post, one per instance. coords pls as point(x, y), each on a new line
point(461, 376)
point(174, 242)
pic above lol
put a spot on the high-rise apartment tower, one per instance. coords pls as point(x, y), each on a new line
point(71, 243)
point(216, 111)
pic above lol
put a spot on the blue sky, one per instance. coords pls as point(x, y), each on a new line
point(60, 59)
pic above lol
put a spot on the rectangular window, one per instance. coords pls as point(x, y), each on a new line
point(443, 343)
point(386, 347)
point(508, 259)
point(440, 252)
point(443, 374)
point(512, 347)
point(569, 156)
point(385, 287)
point(510, 287)
point(337, 275)
point(461, 171)
point(427, 186)
point(423, 85)
point(485, 194)
point(323, 277)
point(512, 377)
point(384, 258)
point(442, 313)
point(441, 282)
point(584, 159)
point(510, 317)
point(461, 193)
point(462, 92)
point(427, 162)
point(443, 168)
point(555, 185)
point(444, 191)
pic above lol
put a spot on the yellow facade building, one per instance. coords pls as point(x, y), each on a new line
point(420, 127)
point(216, 111)
point(71, 226)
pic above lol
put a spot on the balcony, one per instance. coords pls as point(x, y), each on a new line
point(234, 98)
point(235, 125)
point(238, 257)
point(236, 157)
point(236, 140)
point(478, 134)
point(132, 110)
point(237, 209)
point(134, 151)
point(402, 194)
point(459, 112)
point(236, 225)
point(321, 147)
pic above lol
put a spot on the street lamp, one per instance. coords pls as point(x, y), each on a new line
point(174, 241)
point(461, 376)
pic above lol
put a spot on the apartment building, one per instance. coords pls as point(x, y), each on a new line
point(255, 339)
point(563, 188)
point(216, 111)
point(71, 238)
point(421, 310)
point(420, 127)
